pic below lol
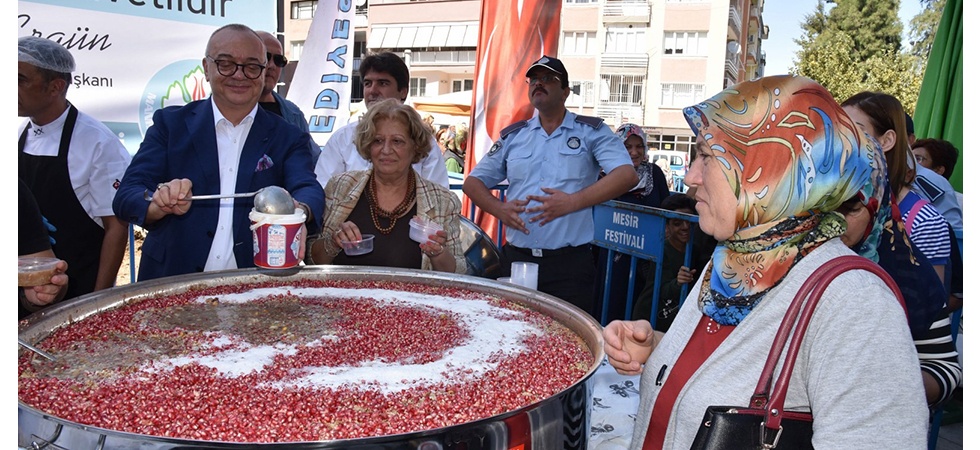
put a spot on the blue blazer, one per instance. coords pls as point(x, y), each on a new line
point(181, 143)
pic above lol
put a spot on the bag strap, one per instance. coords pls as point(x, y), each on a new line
point(914, 211)
point(809, 294)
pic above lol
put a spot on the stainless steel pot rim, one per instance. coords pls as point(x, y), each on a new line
point(39, 325)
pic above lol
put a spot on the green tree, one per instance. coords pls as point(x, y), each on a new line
point(922, 28)
point(822, 59)
point(873, 25)
point(855, 47)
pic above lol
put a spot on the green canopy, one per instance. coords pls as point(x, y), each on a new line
point(939, 110)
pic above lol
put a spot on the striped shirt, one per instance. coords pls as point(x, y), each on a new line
point(928, 230)
point(938, 357)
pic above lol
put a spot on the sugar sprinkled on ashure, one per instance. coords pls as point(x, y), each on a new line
point(490, 333)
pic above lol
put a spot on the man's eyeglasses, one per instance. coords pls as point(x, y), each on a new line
point(546, 79)
point(228, 68)
point(278, 60)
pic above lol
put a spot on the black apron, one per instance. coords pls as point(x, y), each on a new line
point(78, 237)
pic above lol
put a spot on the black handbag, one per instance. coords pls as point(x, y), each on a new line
point(764, 424)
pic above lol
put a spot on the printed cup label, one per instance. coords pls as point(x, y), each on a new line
point(276, 246)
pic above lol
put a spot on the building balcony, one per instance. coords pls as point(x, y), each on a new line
point(734, 22)
point(421, 58)
point(616, 11)
point(624, 60)
point(616, 114)
point(754, 15)
point(733, 65)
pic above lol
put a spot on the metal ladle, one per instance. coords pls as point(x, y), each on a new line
point(36, 350)
point(268, 200)
point(274, 200)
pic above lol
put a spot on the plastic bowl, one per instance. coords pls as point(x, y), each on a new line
point(35, 271)
point(361, 247)
point(420, 229)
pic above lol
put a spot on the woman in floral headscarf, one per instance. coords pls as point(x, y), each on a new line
point(652, 187)
point(775, 157)
point(650, 191)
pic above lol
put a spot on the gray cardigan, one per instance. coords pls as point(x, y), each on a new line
point(857, 368)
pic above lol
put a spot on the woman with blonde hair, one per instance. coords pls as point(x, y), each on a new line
point(383, 199)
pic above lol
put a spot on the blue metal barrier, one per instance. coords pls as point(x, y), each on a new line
point(637, 231)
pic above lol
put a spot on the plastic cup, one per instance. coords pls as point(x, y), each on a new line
point(524, 274)
point(361, 247)
point(420, 228)
point(276, 238)
point(35, 270)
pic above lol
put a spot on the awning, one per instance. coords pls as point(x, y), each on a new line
point(454, 104)
point(421, 36)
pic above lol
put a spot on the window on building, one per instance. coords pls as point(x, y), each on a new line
point(622, 89)
point(585, 95)
point(578, 43)
point(360, 49)
point(671, 142)
point(296, 50)
point(356, 88)
point(686, 43)
point(462, 85)
point(302, 9)
point(625, 40)
point(679, 95)
point(416, 87)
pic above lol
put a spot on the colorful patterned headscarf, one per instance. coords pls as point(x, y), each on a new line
point(873, 194)
point(644, 172)
point(791, 157)
point(631, 129)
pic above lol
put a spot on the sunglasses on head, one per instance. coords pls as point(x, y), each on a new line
point(278, 60)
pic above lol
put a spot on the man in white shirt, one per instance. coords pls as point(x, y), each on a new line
point(384, 76)
point(72, 163)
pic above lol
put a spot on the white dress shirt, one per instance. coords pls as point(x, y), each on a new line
point(230, 140)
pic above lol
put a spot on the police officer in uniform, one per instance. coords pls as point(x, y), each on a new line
point(552, 162)
point(72, 163)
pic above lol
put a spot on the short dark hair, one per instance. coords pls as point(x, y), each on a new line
point(674, 202)
point(943, 153)
point(389, 63)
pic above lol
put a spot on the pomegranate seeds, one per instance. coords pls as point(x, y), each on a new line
point(302, 361)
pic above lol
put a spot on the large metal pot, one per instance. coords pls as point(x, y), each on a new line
point(560, 421)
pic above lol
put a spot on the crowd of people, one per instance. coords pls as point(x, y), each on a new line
point(769, 212)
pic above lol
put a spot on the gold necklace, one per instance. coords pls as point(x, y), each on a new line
point(394, 214)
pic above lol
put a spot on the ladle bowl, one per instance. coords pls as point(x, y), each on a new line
point(274, 200)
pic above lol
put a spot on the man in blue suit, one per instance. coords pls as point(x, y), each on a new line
point(221, 145)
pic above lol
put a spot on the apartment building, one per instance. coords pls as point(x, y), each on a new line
point(637, 61)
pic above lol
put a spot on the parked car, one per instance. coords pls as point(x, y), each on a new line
point(677, 161)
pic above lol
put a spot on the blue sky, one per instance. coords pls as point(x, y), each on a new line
point(784, 17)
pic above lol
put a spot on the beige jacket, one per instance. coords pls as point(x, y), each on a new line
point(435, 202)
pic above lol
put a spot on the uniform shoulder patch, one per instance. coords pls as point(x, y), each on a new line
point(594, 122)
point(930, 189)
point(512, 128)
point(495, 148)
